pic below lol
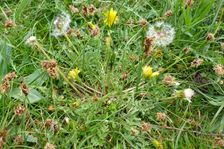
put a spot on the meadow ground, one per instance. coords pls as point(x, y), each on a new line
point(112, 74)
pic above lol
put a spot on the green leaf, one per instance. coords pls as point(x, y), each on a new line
point(33, 96)
point(5, 58)
point(37, 78)
point(217, 101)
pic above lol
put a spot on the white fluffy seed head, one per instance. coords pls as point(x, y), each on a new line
point(66, 120)
point(31, 41)
point(162, 33)
point(61, 24)
point(188, 94)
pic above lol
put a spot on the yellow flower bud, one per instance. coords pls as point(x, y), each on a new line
point(147, 71)
point(91, 25)
point(74, 73)
point(157, 144)
point(154, 74)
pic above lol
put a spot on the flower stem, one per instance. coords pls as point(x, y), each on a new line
point(70, 42)
point(41, 49)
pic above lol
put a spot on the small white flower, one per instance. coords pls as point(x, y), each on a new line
point(162, 33)
point(31, 41)
point(61, 24)
point(177, 84)
point(66, 120)
point(188, 94)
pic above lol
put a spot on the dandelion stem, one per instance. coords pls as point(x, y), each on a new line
point(41, 49)
point(70, 42)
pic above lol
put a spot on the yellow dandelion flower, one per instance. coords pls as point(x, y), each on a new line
point(148, 73)
point(74, 73)
point(111, 17)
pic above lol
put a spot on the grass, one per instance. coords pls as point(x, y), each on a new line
point(110, 103)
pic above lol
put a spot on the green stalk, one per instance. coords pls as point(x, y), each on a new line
point(41, 49)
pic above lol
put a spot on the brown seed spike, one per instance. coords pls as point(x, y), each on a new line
point(73, 9)
point(92, 9)
point(20, 110)
point(219, 69)
point(168, 13)
point(219, 142)
point(51, 67)
point(19, 140)
point(24, 88)
point(145, 126)
point(143, 22)
point(210, 37)
point(189, 3)
point(10, 76)
point(49, 146)
point(95, 31)
point(161, 116)
point(148, 46)
point(5, 86)
point(196, 63)
point(85, 11)
point(9, 23)
point(89, 10)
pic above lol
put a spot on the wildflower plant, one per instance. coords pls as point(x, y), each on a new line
point(153, 81)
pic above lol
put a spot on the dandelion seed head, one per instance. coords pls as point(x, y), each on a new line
point(188, 94)
point(162, 33)
point(66, 120)
point(31, 41)
point(61, 24)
